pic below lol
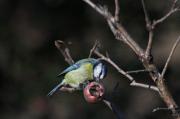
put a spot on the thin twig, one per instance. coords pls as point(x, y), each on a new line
point(137, 71)
point(93, 48)
point(171, 11)
point(148, 22)
point(114, 65)
point(62, 47)
point(164, 17)
point(133, 82)
point(116, 16)
point(121, 34)
point(149, 28)
point(108, 104)
point(149, 46)
point(144, 86)
point(98, 9)
point(160, 108)
point(170, 56)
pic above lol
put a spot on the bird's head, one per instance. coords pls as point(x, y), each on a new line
point(99, 70)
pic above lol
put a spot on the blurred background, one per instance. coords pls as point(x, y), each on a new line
point(29, 61)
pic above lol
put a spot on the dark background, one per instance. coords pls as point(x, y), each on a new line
point(29, 61)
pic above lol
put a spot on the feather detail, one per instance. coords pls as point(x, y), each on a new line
point(78, 64)
point(54, 90)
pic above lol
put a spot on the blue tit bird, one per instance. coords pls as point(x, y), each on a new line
point(80, 73)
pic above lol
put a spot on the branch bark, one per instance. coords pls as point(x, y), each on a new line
point(147, 61)
point(128, 76)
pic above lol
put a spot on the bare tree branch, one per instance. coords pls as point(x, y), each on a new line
point(117, 28)
point(61, 46)
point(171, 11)
point(170, 56)
point(121, 34)
point(114, 65)
point(133, 82)
point(150, 26)
point(164, 17)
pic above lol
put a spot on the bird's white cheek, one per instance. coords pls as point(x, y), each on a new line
point(97, 70)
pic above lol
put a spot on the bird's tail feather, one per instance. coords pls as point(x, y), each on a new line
point(54, 90)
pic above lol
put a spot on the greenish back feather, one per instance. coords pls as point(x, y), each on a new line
point(78, 64)
point(76, 77)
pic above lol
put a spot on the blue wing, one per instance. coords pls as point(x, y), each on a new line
point(54, 90)
point(70, 68)
point(78, 64)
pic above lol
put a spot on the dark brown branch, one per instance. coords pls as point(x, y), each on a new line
point(61, 46)
point(170, 56)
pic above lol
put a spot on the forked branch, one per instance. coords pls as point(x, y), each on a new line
point(145, 56)
point(62, 47)
point(151, 25)
point(128, 76)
